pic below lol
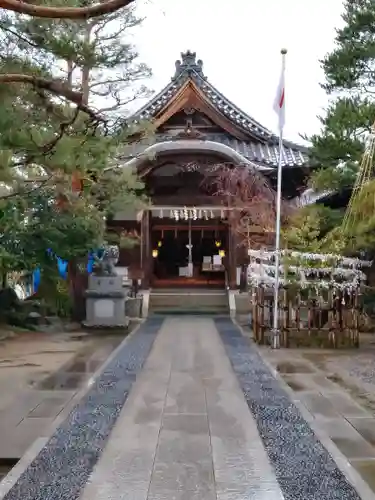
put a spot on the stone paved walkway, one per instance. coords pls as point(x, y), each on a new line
point(186, 431)
point(186, 409)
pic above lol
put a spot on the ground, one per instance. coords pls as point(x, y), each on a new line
point(40, 375)
point(186, 408)
point(338, 390)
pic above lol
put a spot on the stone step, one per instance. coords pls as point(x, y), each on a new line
point(182, 301)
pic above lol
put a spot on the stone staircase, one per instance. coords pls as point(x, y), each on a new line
point(188, 301)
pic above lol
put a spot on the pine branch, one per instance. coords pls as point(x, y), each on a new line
point(55, 87)
point(23, 7)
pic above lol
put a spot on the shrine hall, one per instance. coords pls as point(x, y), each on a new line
point(185, 238)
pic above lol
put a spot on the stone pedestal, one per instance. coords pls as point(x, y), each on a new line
point(133, 307)
point(105, 302)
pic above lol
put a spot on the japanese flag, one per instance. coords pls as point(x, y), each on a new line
point(279, 104)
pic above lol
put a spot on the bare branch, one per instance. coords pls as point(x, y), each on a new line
point(23, 7)
point(250, 200)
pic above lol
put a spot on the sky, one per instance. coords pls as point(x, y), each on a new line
point(239, 42)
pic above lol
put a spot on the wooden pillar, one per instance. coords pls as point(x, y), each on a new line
point(232, 259)
point(145, 249)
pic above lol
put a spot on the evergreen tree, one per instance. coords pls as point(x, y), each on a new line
point(93, 56)
point(339, 148)
point(350, 80)
point(52, 129)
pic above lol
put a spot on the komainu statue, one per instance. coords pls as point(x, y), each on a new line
point(106, 260)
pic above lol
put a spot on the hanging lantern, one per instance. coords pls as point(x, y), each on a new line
point(222, 253)
point(155, 253)
point(160, 243)
point(218, 243)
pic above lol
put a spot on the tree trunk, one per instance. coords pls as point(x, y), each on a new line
point(77, 285)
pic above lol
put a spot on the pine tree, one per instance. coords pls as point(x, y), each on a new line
point(52, 129)
point(64, 12)
point(350, 80)
point(93, 56)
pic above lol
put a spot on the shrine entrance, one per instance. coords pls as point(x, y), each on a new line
point(189, 253)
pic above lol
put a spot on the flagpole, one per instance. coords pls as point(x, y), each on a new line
point(276, 330)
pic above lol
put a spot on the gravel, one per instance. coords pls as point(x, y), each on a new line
point(63, 466)
point(303, 467)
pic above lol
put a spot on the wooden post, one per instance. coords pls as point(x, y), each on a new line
point(145, 249)
point(232, 259)
point(285, 340)
point(254, 306)
point(261, 315)
point(356, 310)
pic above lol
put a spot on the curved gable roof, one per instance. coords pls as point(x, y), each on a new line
point(261, 145)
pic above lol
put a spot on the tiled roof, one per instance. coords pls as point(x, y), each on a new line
point(266, 155)
point(265, 152)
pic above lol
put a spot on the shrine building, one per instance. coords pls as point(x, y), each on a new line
point(185, 239)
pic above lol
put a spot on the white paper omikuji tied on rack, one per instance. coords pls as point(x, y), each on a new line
point(337, 272)
point(330, 258)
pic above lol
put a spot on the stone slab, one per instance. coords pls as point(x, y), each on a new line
point(185, 394)
point(365, 427)
point(366, 468)
point(49, 407)
point(186, 423)
point(26, 403)
point(348, 440)
point(344, 405)
point(318, 404)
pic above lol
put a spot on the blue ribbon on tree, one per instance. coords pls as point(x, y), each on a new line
point(62, 266)
point(36, 280)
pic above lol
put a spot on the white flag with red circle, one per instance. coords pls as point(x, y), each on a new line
point(279, 104)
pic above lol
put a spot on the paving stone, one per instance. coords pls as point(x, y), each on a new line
point(354, 448)
point(344, 405)
point(365, 427)
point(19, 409)
point(164, 494)
point(237, 491)
point(35, 427)
point(185, 423)
point(366, 468)
point(194, 476)
point(323, 383)
point(178, 447)
point(49, 407)
point(185, 394)
point(318, 404)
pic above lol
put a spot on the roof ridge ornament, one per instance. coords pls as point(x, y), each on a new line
point(188, 64)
